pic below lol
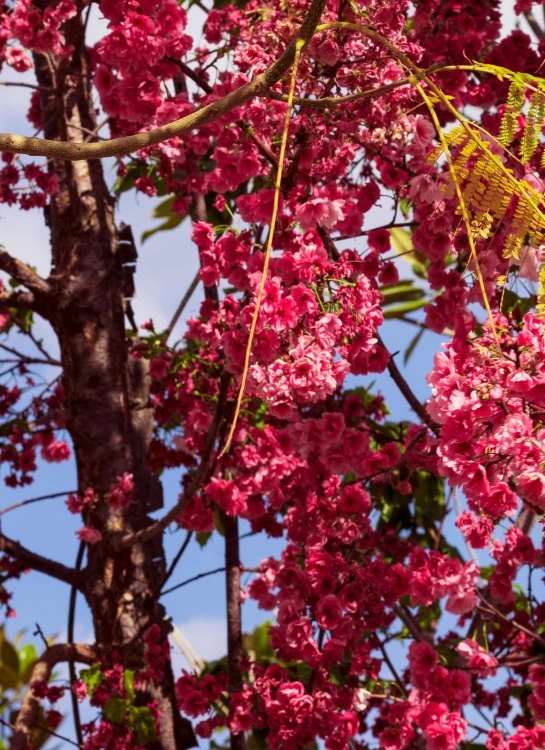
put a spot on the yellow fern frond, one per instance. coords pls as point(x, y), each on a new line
point(515, 103)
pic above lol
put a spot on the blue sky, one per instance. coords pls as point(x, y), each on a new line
point(167, 264)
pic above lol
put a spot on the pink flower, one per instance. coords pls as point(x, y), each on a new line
point(477, 659)
point(329, 613)
point(89, 535)
point(227, 495)
point(320, 212)
point(423, 130)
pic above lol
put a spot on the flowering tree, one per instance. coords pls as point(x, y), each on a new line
point(276, 158)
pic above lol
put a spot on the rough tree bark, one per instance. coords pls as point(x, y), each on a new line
point(106, 389)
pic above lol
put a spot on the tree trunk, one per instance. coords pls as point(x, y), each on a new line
point(106, 389)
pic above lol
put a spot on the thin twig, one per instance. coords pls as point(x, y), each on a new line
point(35, 500)
point(391, 667)
point(407, 392)
point(179, 310)
point(178, 557)
point(70, 638)
point(192, 580)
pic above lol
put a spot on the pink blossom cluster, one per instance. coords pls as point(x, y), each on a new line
point(488, 400)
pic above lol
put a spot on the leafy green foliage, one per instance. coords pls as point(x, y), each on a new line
point(142, 722)
point(92, 677)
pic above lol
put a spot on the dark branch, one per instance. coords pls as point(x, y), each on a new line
point(35, 500)
point(418, 408)
point(70, 636)
point(234, 622)
point(192, 580)
point(22, 300)
point(178, 557)
point(37, 562)
point(534, 25)
point(185, 299)
point(23, 274)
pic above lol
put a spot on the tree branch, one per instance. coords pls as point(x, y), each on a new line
point(185, 299)
point(35, 500)
point(30, 706)
point(23, 273)
point(18, 144)
point(207, 88)
point(534, 25)
point(193, 579)
point(407, 392)
point(37, 562)
point(178, 557)
point(234, 621)
point(22, 300)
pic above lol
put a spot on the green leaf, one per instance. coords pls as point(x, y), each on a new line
point(171, 223)
point(115, 710)
point(412, 346)
point(202, 537)
point(141, 721)
point(134, 171)
point(92, 677)
point(399, 310)
point(220, 527)
point(128, 683)
point(164, 209)
point(401, 292)
point(28, 656)
point(9, 679)
point(260, 639)
point(9, 657)
point(403, 245)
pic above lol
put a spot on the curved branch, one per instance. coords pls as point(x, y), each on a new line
point(18, 144)
point(23, 274)
point(30, 706)
point(37, 562)
point(21, 300)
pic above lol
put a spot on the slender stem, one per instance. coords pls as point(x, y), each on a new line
point(70, 638)
point(407, 392)
point(179, 310)
point(391, 667)
point(193, 579)
point(35, 500)
point(178, 557)
point(20, 85)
